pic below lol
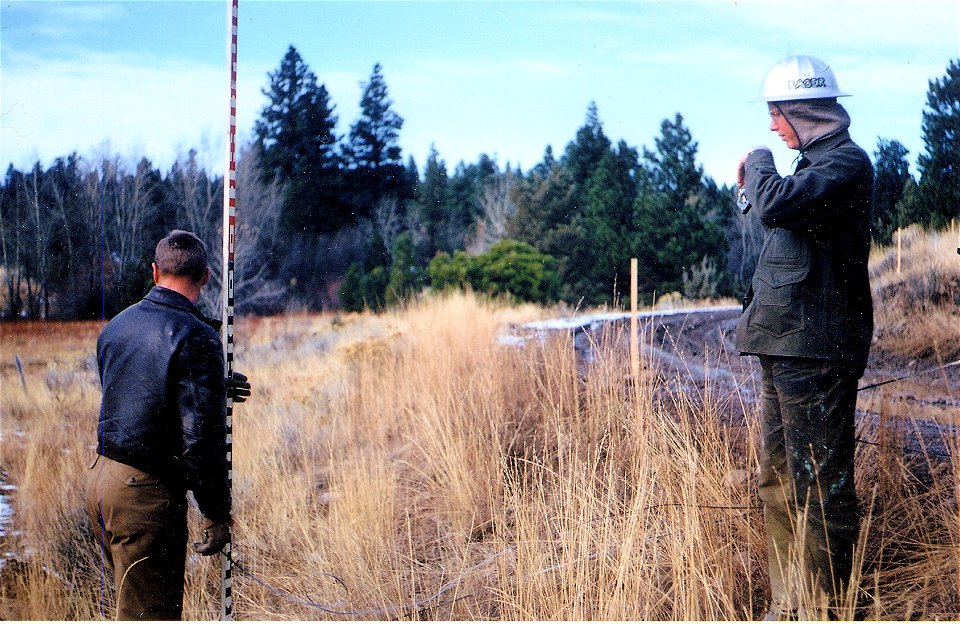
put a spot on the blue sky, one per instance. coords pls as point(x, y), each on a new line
point(502, 78)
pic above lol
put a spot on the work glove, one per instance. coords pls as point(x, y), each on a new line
point(216, 535)
point(238, 388)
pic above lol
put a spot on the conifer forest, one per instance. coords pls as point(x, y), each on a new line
point(347, 222)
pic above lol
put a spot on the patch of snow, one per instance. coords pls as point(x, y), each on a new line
point(6, 514)
point(509, 340)
point(594, 320)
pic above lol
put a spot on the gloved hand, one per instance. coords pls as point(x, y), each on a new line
point(238, 388)
point(215, 537)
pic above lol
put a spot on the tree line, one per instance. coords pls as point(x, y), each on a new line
point(328, 221)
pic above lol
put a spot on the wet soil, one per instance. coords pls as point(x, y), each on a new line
point(693, 352)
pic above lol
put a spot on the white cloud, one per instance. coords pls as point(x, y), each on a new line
point(79, 13)
point(57, 20)
point(148, 107)
point(866, 25)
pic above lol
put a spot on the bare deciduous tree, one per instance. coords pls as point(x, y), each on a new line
point(498, 208)
point(198, 198)
point(41, 227)
point(388, 220)
point(11, 227)
point(258, 213)
point(129, 204)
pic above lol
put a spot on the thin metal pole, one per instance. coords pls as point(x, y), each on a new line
point(229, 238)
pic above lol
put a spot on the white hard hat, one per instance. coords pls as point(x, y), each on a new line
point(800, 77)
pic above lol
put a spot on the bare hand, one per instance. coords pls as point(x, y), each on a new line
point(741, 167)
point(741, 171)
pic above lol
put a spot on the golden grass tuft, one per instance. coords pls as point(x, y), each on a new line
point(409, 466)
point(917, 310)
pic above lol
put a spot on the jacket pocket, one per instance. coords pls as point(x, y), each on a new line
point(786, 249)
point(778, 299)
point(130, 476)
point(778, 307)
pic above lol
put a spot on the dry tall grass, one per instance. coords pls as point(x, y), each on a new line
point(919, 311)
point(410, 466)
point(45, 448)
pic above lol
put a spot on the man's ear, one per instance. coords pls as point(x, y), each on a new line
point(206, 278)
point(156, 273)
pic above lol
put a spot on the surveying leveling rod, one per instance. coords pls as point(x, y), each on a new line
point(229, 238)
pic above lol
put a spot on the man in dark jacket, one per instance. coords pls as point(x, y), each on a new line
point(161, 433)
point(809, 318)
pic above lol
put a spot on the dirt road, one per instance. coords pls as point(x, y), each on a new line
point(693, 350)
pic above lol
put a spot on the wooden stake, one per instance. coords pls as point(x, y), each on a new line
point(899, 236)
point(634, 339)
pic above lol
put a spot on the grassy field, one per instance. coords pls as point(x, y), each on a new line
point(410, 466)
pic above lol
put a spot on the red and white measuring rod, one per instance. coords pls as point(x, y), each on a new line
point(229, 239)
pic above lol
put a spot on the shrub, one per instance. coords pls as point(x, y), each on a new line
point(373, 287)
point(517, 269)
point(509, 268)
point(701, 281)
point(447, 273)
point(351, 297)
point(405, 277)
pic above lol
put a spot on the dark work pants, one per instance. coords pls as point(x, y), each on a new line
point(142, 525)
point(806, 476)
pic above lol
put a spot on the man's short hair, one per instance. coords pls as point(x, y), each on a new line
point(182, 253)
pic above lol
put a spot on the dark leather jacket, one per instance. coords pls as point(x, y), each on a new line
point(811, 290)
point(164, 397)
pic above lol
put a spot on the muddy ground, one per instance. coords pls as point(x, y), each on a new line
point(693, 351)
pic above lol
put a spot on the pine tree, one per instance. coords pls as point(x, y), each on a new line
point(372, 152)
point(605, 257)
point(296, 145)
point(433, 195)
point(544, 205)
point(376, 253)
point(583, 155)
point(373, 285)
point(672, 168)
point(672, 228)
point(411, 180)
point(545, 166)
point(546, 218)
point(349, 293)
point(939, 188)
point(466, 191)
point(892, 172)
point(405, 277)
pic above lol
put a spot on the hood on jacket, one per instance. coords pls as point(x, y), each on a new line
point(814, 120)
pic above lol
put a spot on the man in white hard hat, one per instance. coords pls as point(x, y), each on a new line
point(809, 318)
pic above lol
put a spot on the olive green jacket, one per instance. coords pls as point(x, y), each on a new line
point(810, 295)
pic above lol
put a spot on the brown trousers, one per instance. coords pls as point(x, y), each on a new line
point(142, 526)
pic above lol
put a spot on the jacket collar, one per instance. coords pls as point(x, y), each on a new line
point(173, 299)
point(819, 148)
